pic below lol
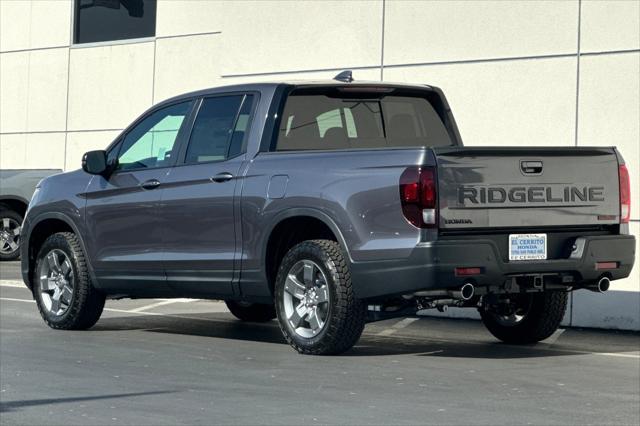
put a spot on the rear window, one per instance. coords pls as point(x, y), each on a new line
point(329, 121)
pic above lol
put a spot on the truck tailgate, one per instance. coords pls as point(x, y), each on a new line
point(493, 187)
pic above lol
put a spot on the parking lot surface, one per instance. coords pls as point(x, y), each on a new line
point(190, 362)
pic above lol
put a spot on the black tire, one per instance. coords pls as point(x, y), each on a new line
point(87, 303)
point(542, 318)
point(251, 312)
point(346, 315)
point(14, 217)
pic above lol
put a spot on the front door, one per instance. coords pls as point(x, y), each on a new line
point(122, 215)
point(199, 200)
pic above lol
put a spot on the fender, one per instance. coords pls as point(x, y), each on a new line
point(304, 211)
point(24, 249)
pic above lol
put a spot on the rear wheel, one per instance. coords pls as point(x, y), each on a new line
point(10, 226)
point(251, 312)
point(317, 310)
point(526, 317)
point(62, 287)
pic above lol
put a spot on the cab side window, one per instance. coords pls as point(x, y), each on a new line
point(219, 129)
point(151, 143)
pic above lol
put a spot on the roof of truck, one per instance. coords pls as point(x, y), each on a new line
point(271, 85)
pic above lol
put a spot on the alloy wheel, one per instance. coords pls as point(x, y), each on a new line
point(56, 282)
point(9, 235)
point(306, 298)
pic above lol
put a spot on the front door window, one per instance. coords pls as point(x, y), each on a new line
point(151, 143)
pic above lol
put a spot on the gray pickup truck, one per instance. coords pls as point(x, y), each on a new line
point(16, 188)
point(327, 205)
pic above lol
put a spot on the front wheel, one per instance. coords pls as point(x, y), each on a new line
point(62, 287)
point(317, 310)
point(525, 318)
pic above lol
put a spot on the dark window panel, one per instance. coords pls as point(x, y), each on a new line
point(106, 20)
point(320, 121)
point(212, 134)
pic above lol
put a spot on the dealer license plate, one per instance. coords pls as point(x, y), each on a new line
point(527, 246)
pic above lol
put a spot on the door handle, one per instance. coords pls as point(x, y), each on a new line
point(222, 177)
point(531, 167)
point(150, 184)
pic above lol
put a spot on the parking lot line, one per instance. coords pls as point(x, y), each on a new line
point(11, 299)
point(124, 311)
point(621, 355)
point(12, 283)
point(397, 326)
point(162, 303)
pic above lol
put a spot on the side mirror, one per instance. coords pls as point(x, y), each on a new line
point(95, 162)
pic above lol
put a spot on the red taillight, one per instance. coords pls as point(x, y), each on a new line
point(418, 194)
point(428, 187)
point(625, 194)
point(410, 192)
point(606, 265)
point(463, 272)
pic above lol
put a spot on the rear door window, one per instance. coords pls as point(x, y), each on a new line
point(319, 122)
point(219, 129)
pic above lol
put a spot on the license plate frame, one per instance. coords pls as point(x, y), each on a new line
point(527, 247)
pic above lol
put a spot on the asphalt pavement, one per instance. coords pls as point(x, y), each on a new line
point(190, 362)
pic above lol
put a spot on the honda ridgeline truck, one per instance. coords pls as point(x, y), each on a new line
point(327, 205)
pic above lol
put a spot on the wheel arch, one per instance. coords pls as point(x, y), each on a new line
point(40, 229)
point(283, 233)
point(15, 203)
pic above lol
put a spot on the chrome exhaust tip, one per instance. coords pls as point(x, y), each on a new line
point(603, 284)
point(467, 291)
point(599, 286)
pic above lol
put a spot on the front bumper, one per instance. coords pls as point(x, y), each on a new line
point(432, 265)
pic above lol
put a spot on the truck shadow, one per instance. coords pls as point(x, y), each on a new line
point(6, 406)
point(222, 326)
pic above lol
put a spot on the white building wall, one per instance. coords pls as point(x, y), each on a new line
point(516, 73)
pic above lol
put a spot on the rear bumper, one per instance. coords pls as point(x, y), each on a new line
point(432, 265)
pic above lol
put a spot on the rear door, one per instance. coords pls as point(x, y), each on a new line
point(527, 187)
point(198, 202)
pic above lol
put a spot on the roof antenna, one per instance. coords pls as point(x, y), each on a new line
point(344, 76)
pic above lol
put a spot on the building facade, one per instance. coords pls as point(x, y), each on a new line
point(74, 73)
